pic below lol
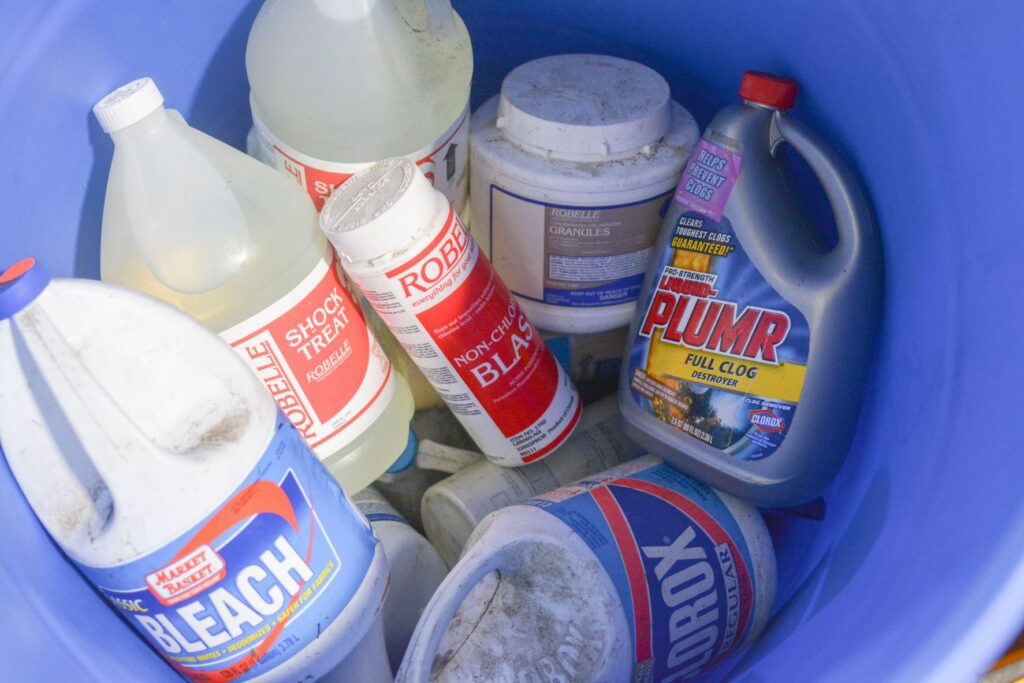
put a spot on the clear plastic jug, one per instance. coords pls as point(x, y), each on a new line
point(196, 223)
point(340, 84)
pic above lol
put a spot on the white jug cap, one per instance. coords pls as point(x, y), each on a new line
point(584, 107)
point(128, 104)
point(379, 210)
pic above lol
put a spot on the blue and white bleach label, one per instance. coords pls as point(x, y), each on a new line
point(676, 557)
point(257, 580)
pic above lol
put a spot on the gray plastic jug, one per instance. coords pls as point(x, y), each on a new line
point(747, 364)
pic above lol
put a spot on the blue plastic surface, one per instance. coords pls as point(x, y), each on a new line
point(917, 571)
point(407, 457)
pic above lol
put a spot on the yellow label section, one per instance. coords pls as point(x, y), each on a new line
point(782, 382)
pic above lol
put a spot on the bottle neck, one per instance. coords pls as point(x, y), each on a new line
point(152, 123)
point(346, 10)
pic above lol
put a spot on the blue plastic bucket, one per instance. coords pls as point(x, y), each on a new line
point(917, 571)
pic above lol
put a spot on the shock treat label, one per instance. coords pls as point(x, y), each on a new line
point(443, 162)
point(318, 358)
point(719, 354)
point(676, 557)
point(255, 582)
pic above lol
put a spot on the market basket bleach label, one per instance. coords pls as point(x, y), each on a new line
point(261, 576)
point(677, 560)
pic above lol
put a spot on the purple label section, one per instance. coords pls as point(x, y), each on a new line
point(710, 175)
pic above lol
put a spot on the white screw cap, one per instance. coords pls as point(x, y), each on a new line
point(128, 104)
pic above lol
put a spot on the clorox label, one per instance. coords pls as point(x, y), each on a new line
point(261, 577)
point(677, 559)
point(719, 355)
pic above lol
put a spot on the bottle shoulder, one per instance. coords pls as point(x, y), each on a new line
point(146, 412)
point(148, 244)
point(410, 87)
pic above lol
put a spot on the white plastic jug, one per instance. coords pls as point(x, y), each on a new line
point(170, 477)
point(639, 573)
point(416, 570)
point(454, 506)
point(340, 84)
point(196, 223)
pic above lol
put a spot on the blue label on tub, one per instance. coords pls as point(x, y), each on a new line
point(573, 256)
point(257, 580)
point(676, 557)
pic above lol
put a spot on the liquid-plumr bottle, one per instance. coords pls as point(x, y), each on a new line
point(749, 352)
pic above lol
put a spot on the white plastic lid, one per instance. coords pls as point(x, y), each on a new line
point(128, 104)
point(379, 210)
point(585, 106)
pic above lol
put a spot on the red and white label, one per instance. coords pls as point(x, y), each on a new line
point(456, 318)
point(188, 576)
point(443, 162)
point(320, 361)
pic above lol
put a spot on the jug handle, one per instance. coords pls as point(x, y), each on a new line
point(854, 223)
point(440, 14)
point(471, 570)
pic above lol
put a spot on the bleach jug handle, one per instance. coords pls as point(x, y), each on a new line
point(440, 14)
point(854, 225)
point(471, 570)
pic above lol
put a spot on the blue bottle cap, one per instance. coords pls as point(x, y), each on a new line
point(20, 285)
point(408, 456)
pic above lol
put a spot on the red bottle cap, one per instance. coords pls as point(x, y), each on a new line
point(769, 90)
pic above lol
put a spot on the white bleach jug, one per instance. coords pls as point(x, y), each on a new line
point(169, 476)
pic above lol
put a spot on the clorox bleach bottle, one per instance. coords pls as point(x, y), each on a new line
point(168, 474)
point(748, 356)
point(636, 574)
point(196, 223)
point(416, 570)
point(340, 84)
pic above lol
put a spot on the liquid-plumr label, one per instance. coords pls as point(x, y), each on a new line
point(258, 580)
point(719, 354)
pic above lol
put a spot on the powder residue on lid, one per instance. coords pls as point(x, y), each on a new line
point(543, 614)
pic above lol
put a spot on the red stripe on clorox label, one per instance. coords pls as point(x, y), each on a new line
point(712, 528)
point(634, 565)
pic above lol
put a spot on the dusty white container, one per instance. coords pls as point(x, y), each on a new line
point(571, 168)
point(404, 246)
point(416, 570)
point(453, 507)
point(169, 476)
point(639, 573)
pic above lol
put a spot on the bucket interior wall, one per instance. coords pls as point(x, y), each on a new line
point(916, 572)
